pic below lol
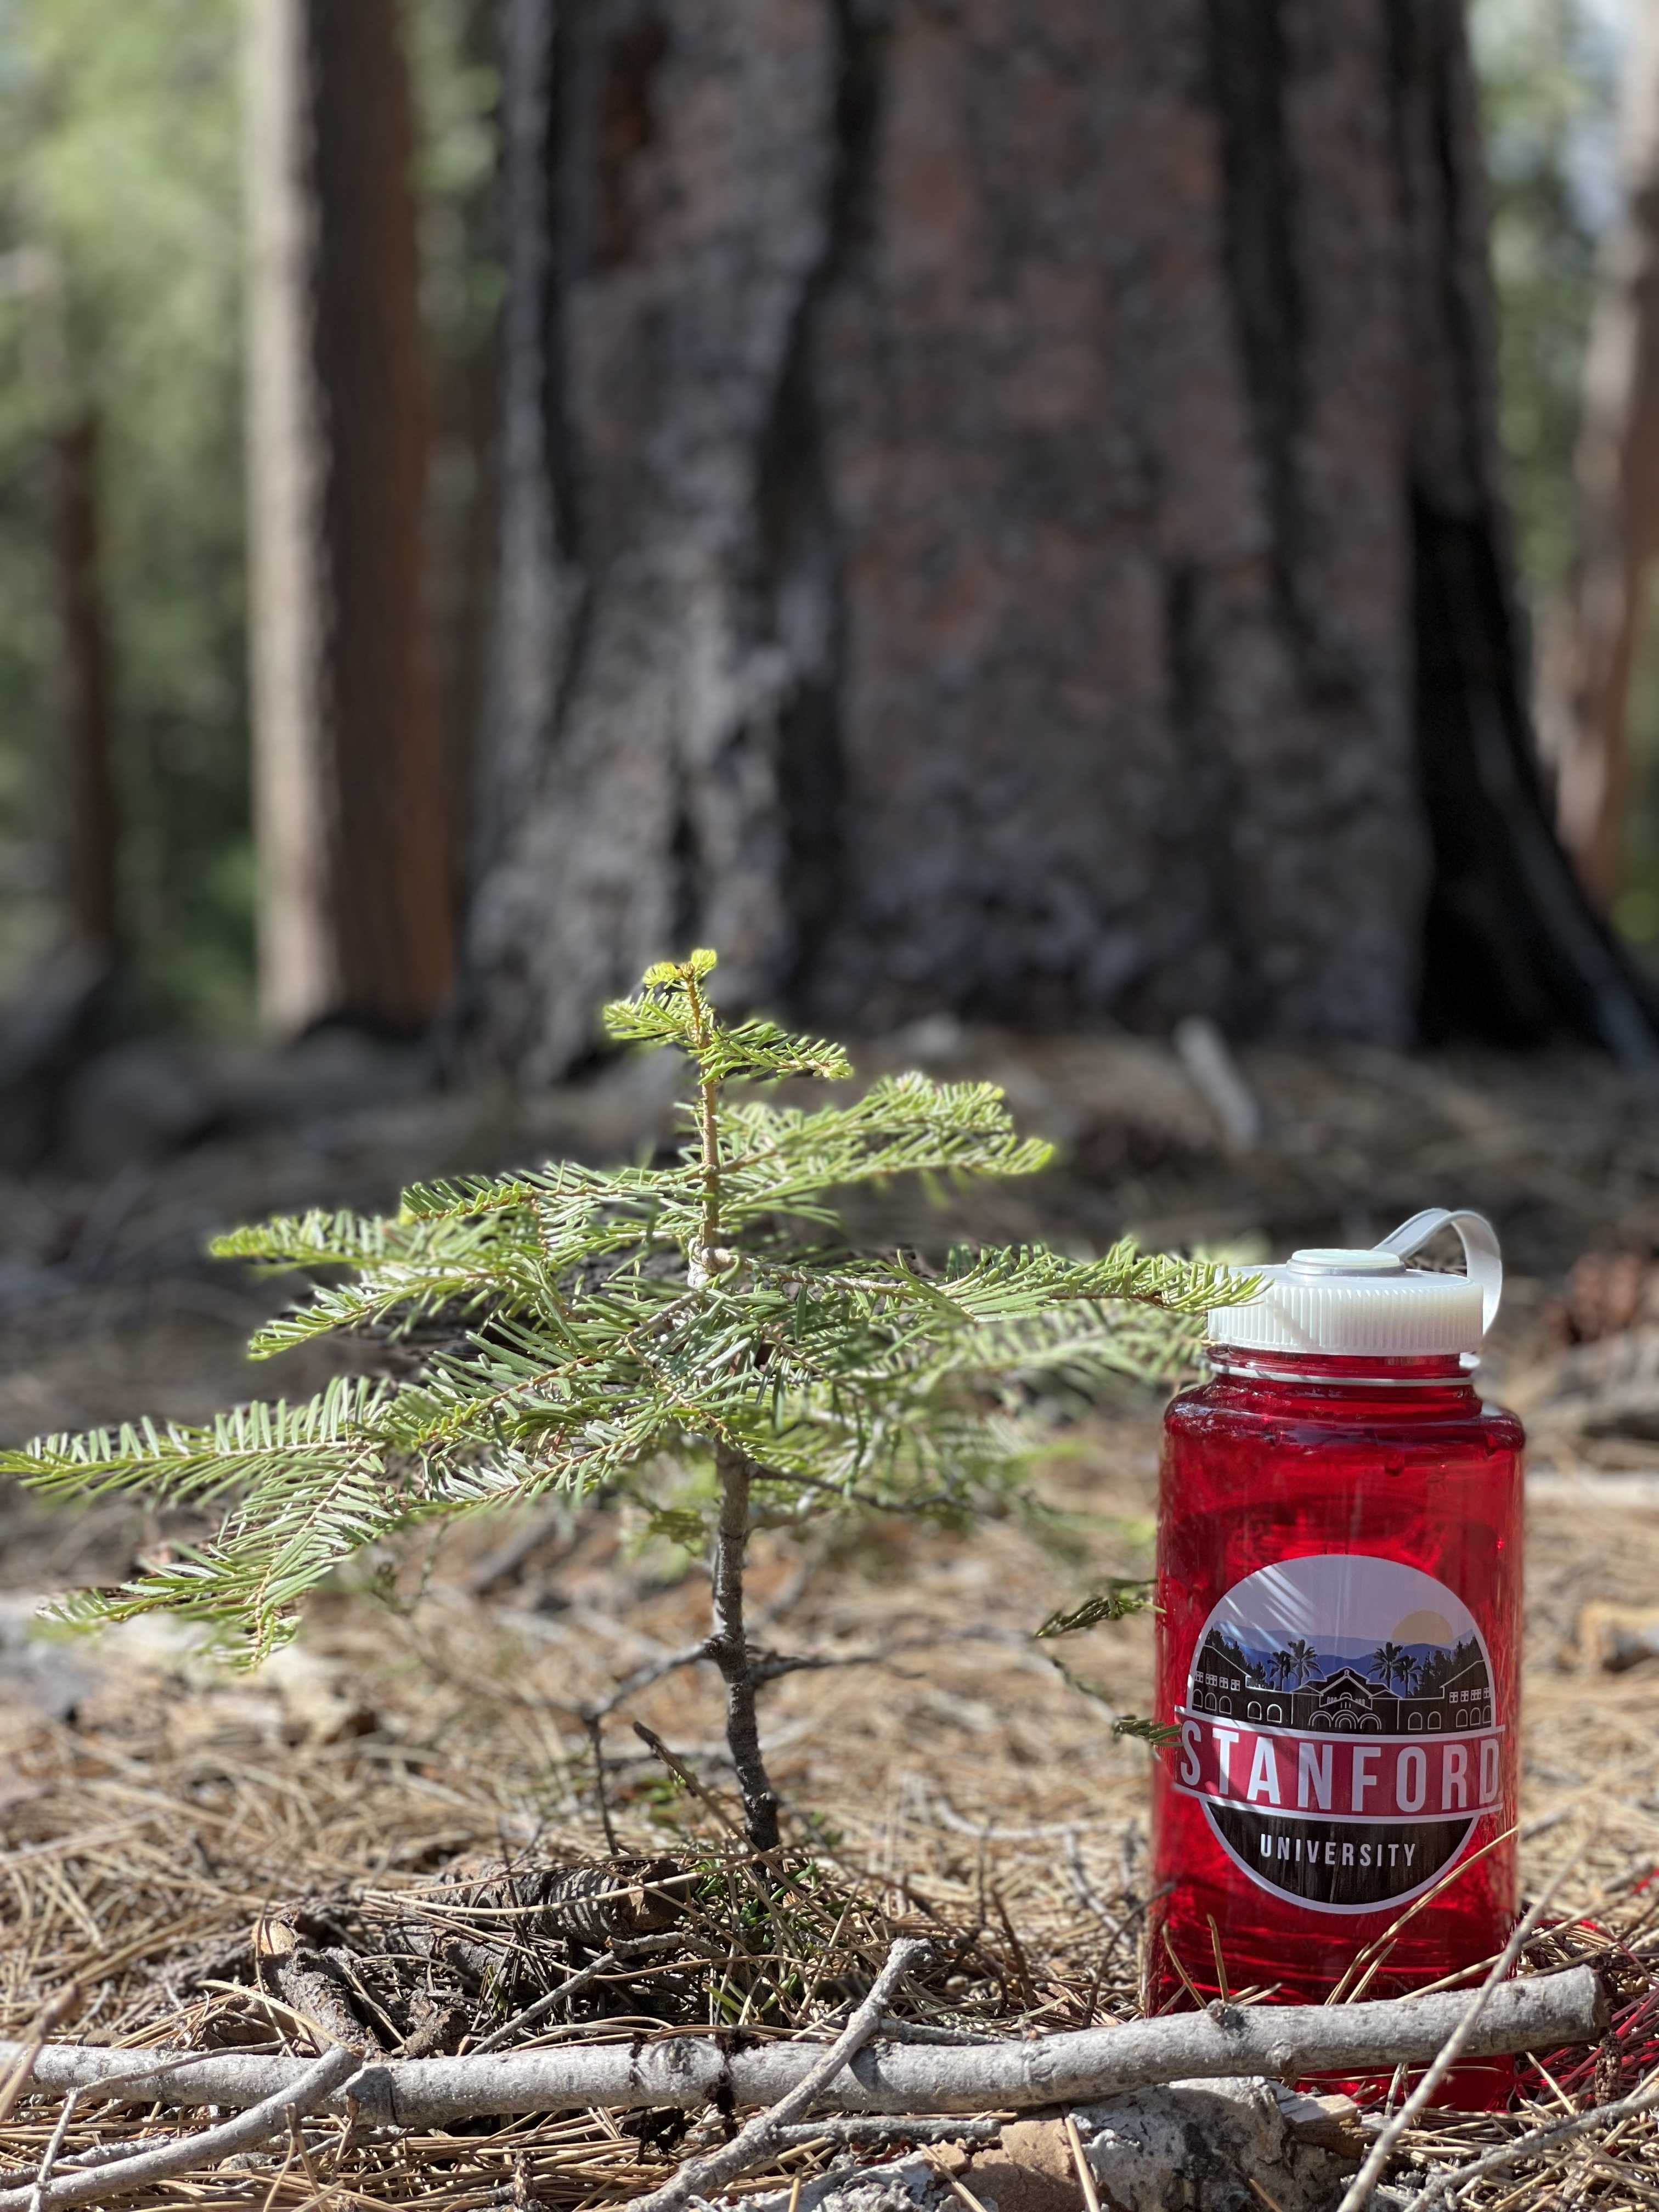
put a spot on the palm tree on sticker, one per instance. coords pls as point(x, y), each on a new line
point(1280, 1667)
point(1304, 1659)
point(1390, 1663)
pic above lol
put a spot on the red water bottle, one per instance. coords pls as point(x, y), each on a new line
point(1339, 1580)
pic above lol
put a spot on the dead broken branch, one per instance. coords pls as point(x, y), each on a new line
point(15, 2076)
point(184, 2153)
point(1285, 2041)
point(1358, 2194)
point(760, 2141)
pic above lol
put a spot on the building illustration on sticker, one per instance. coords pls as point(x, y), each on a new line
point(1396, 1691)
point(1340, 1728)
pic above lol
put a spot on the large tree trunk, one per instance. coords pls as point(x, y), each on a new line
point(1616, 469)
point(354, 808)
point(1004, 516)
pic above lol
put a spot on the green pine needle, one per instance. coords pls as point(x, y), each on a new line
point(1121, 1597)
point(584, 1329)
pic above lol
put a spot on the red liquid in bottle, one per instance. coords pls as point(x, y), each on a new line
point(1339, 1581)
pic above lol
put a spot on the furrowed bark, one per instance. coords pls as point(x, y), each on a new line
point(1022, 530)
point(729, 1647)
point(1283, 2041)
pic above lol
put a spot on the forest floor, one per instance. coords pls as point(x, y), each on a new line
point(936, 1765)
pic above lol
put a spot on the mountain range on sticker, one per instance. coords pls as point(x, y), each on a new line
point(1420, 1668)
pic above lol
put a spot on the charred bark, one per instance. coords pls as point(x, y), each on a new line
point(991, 478)
point(1513, 952)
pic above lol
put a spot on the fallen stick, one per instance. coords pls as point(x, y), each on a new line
point(1361, 2188)
point(15, 2077)
point(35, 2194)
point(183, 2154)
point(759, 2142)
point(1539, 2014)
point(851, 2129)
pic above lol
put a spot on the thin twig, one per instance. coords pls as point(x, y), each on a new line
point(1493, 2162)
point(636, 1946)
point(759, 2141)
point(683, 1774)
point(49, 2157)
point(642, 1679)
point(953, 2182)
point(881, 2128)
point(543, 2005)
point(53, 2015)
point(1358, 2193)
point(591, 1723)
point(185, 2151)
point(1085, 2173)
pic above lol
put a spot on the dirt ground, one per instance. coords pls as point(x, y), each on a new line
point(935, 1760)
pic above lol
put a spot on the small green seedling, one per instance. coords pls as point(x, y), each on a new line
point(696, 1337)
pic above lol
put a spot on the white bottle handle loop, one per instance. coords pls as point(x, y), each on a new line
point(1483, 1262)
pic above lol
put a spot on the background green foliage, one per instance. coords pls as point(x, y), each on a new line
point(1549, 74)
point(120, 154)
point(1547, 70)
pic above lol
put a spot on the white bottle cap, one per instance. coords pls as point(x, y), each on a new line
point(1360, 1302)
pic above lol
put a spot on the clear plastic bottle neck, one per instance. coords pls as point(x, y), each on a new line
point(1448, 1370)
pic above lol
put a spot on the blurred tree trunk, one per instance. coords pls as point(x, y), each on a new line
point(354, 806)
point(462, 516)
point(1001, 512)
point(87, 835)
point(1592, 637)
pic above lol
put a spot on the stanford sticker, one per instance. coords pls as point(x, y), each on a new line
point(1340, 1730)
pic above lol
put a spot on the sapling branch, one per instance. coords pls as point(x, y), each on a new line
point(703, 1262)
point(653, 1670)
point(1123, 1595)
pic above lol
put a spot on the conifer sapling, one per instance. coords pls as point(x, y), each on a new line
point(696, 1336)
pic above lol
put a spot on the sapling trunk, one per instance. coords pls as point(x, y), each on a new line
point(729, 1647)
